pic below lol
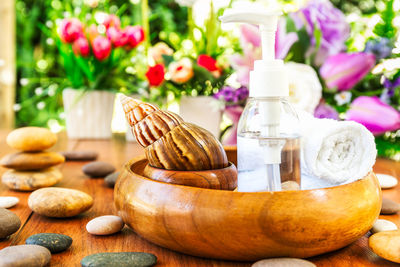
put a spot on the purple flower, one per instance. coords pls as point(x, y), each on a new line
point(343, 70)
point(381, 48)
point(232, 96)
point(284, 40)
point(375, 115)
point(391, 84)
point(332, 23)
point(324, 111)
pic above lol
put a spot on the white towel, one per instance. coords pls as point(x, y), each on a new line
point(337, 152)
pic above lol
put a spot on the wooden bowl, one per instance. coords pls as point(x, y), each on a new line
point(245, 226)
point(223, 179)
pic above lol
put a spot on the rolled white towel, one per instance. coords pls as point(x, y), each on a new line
point(337, 152)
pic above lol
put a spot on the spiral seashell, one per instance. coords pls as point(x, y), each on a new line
point(169, 142)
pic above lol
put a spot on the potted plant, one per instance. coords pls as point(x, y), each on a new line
point(192, 68)
point(95, 54)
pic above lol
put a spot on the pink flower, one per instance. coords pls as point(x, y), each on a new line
point(156, 52)
point(116, 36)
point(81, 47)
point(243, 64)
point(135, 35)
point(283, 40)
point(112, 21)
point(343, 70)
point(375, 115)
point(70, 30)
point(181, 71)
point(250, 34)
point(101, 47)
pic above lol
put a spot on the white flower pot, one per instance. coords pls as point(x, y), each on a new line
point(88, 114)
point(203, 111)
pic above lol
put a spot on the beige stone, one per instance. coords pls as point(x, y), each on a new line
point(59, 202)
point(24, 255)
point(31, 139)
point(29, 181)
point(105, 225)
point(386, 244)
point(31, 161)
point(283, 262)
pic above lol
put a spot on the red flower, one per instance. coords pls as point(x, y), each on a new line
point(112, 21)
point(101, 47)
point(117, 37)
point(135, 35)
point(70, 30)
point(207, 62)
point(155, 75)
point(81, 47)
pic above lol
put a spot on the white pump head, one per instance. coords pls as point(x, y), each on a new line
point(269, 77)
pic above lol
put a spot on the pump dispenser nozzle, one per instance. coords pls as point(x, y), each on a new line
point(268, 22)
point(268, 81)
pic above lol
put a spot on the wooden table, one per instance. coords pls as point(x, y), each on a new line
point(117, 152)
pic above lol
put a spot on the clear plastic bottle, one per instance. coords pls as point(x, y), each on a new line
point(268, 131)
point(256, 142)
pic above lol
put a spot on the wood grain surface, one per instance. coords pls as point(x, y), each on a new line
point(117, 152)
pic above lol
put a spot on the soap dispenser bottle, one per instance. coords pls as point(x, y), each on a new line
point(268, 143)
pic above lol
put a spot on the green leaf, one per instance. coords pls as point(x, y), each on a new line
point(167, 60)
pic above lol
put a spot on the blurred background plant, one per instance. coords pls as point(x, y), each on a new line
point(40, 71)
point(343, 62)
point(343, 57)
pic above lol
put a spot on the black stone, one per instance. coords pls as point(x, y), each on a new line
point(111, 179)
point(119, 259)
point(9, 223)
point(53, 242)
point(98, 169)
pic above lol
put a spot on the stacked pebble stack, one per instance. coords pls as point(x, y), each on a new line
point(32, 167)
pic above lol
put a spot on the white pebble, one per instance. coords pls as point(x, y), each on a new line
point(386, 181)
point(105, 225)
point(8, 202)
point(383, 225)
point(283, 262)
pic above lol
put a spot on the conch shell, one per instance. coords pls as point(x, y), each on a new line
point(169, 142)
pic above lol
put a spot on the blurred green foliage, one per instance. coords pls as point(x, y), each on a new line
point(40, 74)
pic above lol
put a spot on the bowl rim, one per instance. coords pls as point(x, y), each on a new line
point(128, 167)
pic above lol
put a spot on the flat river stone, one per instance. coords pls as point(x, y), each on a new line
point(23, 161)
point(389, 206)
point(83, 155)
point(8, 202)
point(283, 262)
point(383, 225)
point(53, 242)
point(105, 225)
point(98, 169)
point(386, 181)
point(111, 179)
point(29, 181)
point(9, 223)
point(386, 244)
point(59, 202)
point(24, 256)
point(119, 259)
point(31, 139)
